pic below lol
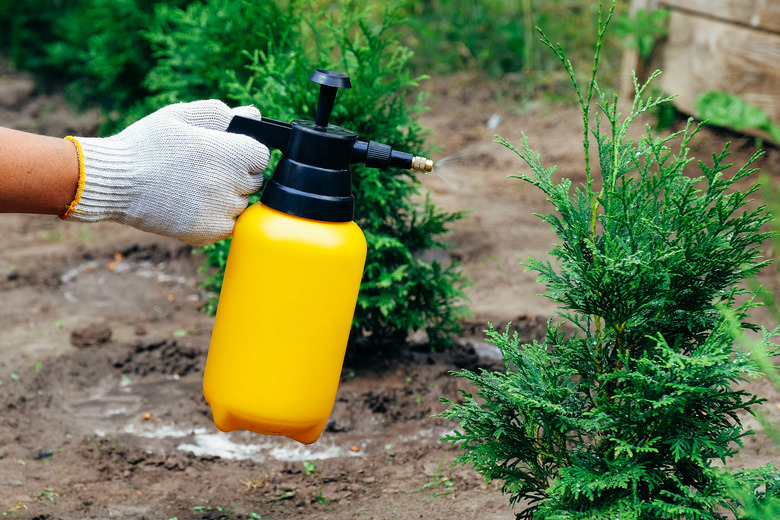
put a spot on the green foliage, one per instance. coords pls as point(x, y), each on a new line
point(468, 34)
point(200, 50)
point(495, 37)
point(27, 26)
point(731, 111)
point(761, 503)
point(93, 47)
point(102, 51)
point(623, 412)
point(642, 30)
point(757, 492)
point(770, 192)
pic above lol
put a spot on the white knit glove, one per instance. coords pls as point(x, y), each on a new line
point(175, 172)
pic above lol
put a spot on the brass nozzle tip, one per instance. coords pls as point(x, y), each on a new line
point(421, 164)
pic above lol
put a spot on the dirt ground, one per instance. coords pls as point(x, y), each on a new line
point(102, 348)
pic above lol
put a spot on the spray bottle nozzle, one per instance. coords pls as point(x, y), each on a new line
point(382, 156)
point(422, 164)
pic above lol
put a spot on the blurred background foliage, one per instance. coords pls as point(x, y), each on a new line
point(107, 53)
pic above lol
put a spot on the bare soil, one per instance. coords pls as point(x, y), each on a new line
point(102, 348)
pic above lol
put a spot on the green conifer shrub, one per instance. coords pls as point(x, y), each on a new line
point(101, 50)
point(27, 27)
point(94, 49)
point(627, 411)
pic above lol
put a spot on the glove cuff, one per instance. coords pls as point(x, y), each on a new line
point(80, 188)
point(105, 184)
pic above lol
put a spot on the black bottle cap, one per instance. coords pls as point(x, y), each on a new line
point(313, 178)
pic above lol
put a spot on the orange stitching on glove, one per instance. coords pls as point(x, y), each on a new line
point(72, 206)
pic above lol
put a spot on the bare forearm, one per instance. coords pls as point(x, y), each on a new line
point(38, 174)
point(176, 172)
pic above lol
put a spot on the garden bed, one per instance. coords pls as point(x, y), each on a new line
point(102, 350)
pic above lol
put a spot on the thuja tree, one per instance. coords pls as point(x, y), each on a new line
point(627, 413)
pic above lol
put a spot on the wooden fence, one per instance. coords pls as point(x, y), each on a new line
point(723, 45)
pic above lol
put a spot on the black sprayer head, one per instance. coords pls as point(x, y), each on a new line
point(313, 178)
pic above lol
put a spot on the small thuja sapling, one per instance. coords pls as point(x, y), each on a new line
point(628, 414)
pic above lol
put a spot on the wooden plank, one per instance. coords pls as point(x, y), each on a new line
point(704, 54)
point(647, 5)
point(761, 14)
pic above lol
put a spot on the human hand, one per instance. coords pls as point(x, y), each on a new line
point(175, 172)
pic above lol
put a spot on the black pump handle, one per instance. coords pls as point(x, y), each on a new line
point(330, 81)
point(270, 132)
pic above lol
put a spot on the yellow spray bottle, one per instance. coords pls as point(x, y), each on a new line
point(292, 277)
